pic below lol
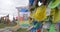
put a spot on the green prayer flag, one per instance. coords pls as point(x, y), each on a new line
point(52, 28)
point(54, 3)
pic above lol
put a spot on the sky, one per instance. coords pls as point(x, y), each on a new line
point(9, 6)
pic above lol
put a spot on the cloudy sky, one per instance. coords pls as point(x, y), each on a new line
point(9, 6)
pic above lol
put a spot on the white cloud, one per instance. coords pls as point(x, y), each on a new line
point(9, 6)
